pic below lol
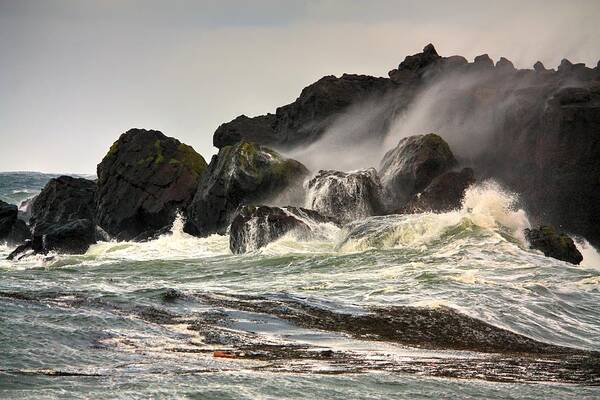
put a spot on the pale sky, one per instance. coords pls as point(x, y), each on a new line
point(75, 74)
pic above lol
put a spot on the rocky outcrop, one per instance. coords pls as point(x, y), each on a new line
point(444, 193)
point(143, 181)
point(255, 227)
point(553, 244)
point(63, 199)
point(12, 229)
point(408, 168)
point(245, 173)
point(345, 195)
point(306, 119)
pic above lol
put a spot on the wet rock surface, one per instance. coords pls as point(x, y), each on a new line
point(143, 181)
point(11, 228)
point(408, 168)
point(255, 227)
point(234, 332)
point(444, 193)
point(345, 195)
point(553, 244)
point(245, 173)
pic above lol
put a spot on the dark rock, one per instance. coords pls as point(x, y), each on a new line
point(8, 217)
point(63, 199)
point(444, 193)
point(570, 95)
point(143, 181)
point(303, 121)
point(483, 62)
point(454, 62)
point(539, 67)
point(12, 230)
point(415, 65)
point(19, 233)
point(152, 234)
point(22, 250)
point(565, 66)
point(553, 244)
point(259, 129)
point(73, 237)
point(242, 174)
point(505, 65)
point(346, 195)
point(409, 168)
point(255, 227)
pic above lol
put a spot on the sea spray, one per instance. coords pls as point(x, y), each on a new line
point(485, 206)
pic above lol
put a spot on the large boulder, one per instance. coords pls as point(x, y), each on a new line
point(63, 199)
point(415, 65)
point(62, 219)
point(553, 244)
point(408, 168)
point(255, 227)
point(143, 181)
point(245, 173)
point(308, 117)
point(444, 193)
point(345, 195)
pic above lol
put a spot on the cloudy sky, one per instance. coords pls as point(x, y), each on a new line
point(74, 74)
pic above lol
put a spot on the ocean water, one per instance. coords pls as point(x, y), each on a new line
point(181, 317)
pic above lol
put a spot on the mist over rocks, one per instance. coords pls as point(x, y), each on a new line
point(306, 119)
point(346, 195)
point(245, 173)
point(143, 181)
point(254, 227)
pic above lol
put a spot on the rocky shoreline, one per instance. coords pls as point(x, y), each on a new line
point(544, 144)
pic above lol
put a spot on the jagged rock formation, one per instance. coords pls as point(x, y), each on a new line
point(241, 174)
point(408, 168)
point(444, 193)
point(535, 130)
point(143, 181)
point(345, 195)
point(255, 227)
point(553, 244)
point(12, 229)
point(304, 120)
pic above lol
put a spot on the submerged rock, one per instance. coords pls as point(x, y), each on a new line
point(255, 227)
point(144, 179)
point(444, 193)
point(345, 195)
point(553, 244)
point(242, 174)
point(408, 168)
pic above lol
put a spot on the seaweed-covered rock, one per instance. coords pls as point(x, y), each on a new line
point(444, 193)
point(245, 173)
point(255, 227)
point(143, 180)
point(345, 195)
point(553, 244)
point(408, 168)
